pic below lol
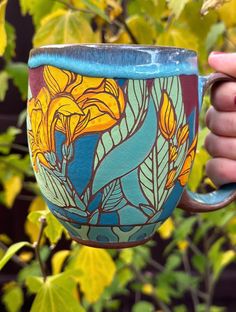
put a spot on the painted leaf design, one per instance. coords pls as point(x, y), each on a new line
point(173, 153)
point(170, 178)
point(182, 134)
point(147, 175)
point(185, 171)
point(113, 198)
point(136, 94)
point(167, 116)
point(165, 155)
point(115, 164)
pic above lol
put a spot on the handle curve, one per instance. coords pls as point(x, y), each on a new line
point(226, 194)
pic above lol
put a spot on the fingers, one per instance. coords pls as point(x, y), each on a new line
point(221, 123)
point(221, 170)
point(223, 96)
point(223, 62)
point(222, 147)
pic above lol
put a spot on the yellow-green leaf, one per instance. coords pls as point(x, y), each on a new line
point(211, 4)
point(4, 84)
point(3, 34)
point(97, 269)
point(12, 188)
point(166, 229)
point(58, 259)
point(64, 26)
point(11, 251)
point(54, 229)
point(33, 283)
point(227, 13)
point(13, 297)
point(57, 294)
point(178, 37)
point(177, 6)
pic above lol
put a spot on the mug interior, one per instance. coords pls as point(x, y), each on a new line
point(117, 60)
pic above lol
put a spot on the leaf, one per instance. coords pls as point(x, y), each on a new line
point(12, 188)
point(3, 35)
point(31, 228)
point(215, 32)
point(97, 7)
point(142, 29)
point(184, 229)
point(167, 117)
point(134, 114)
point(171, 178)
point(178, 36)
point(227, 13)
point(166, 229)
point(211, 4)
point(177, 6)
point(18, 72)
point(3, 84)
point(183, 134)
point(142, 306)
point(98, 270)
point(11, 251)
point(33, 284)
point(114, 163)
point(64, 26)
point(11, 42)
point(58, 259)
point(113, 197)
point(25, 6)
point(57, 294)
point(54, 229)
point(199, 262)
point(7, 138)
point(13, 297)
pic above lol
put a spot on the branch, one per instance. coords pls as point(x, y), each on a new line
point(17, 147)
point(140, 277)
point(192, 291)
point(37, 248)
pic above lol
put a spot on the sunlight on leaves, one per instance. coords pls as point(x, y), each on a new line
point(166, 229)
point(12, 188)
point(211, 4)
point(3, 34)
point(58, 260)
point(98, 269)
point(227, 13)
point(11, 251)
point(57, 294)
point(177, 6)
point(64, 26)
point(13, 297)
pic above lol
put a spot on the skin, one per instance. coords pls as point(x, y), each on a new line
point(221, 120)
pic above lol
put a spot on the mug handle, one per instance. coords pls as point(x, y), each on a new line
point(226, 194)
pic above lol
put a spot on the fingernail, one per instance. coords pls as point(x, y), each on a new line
point(235, 100)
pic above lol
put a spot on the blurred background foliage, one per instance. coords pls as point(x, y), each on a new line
point(197, 248)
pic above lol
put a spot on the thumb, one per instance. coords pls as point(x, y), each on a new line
point(223, 62)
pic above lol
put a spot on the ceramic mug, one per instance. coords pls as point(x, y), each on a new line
point(112, 132)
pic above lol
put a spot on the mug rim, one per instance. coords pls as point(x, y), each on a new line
point(114, 46)
point(116, 60)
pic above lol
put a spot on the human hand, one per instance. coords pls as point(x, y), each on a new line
point(221, 120)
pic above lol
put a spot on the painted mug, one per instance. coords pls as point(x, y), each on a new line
point(112, 132)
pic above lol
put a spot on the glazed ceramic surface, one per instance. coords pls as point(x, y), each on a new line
point(112, 134)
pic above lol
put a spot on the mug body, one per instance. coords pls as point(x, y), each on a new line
point(112, 132)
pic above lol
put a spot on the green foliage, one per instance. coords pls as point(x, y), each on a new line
point(197, 249)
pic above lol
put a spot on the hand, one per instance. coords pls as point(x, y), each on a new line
point(221, 120)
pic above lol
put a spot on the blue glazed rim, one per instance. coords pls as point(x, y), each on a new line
point(117, 60)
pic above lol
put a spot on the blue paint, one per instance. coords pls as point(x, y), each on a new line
point(202, 80)
point(59, 140)
point(94, 203)
point(117, 61)
point(215, 197)
point(80, 168)
point(191, 122)
point(123, 158)
point(132, 190)
point(110, 218)
point(172, 202)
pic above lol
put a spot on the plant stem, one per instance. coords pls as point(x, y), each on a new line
point(140, 277)
point(37, 248)
point(18, 147)
point(188, 271)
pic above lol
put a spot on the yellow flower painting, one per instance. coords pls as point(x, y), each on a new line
point(72, 104)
